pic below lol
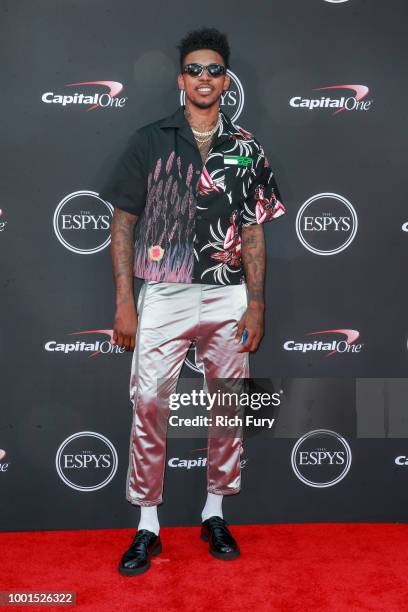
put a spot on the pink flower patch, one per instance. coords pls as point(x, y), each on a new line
point(156, 252)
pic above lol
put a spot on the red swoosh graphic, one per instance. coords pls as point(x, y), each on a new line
point(107, 332)
point(360, 92)
point(114, 86)
point(351, 335)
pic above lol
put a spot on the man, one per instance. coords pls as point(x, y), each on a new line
point(189, 184)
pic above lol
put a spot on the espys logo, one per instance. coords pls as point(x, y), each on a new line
point(98, 347)
point(326, 224)
point(341, 103)
point(82, 222)
point(2, 223)
point(106, 99)
point(3, 466)
point(191, 360)
point(332, 347)
point(232, 100)
point(321, 458)
point(86, 461)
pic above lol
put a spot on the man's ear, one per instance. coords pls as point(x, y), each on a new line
point(180, 81)
point(227, 82)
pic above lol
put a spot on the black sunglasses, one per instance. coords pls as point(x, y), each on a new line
point(196, 70)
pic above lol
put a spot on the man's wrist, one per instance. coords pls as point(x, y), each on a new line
point(125, 301)
point(256, 304)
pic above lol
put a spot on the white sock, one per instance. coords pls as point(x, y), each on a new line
point(213, 506)
point(149, 519)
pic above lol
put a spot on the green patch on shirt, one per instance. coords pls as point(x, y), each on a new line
point(237, 160)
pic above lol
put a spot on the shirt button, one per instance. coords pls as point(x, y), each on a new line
point(198, 171)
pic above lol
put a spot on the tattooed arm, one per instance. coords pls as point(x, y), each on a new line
point(122, 251)
point(253, 259)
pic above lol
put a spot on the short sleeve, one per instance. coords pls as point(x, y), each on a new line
point(263, 201)
point(126, 187)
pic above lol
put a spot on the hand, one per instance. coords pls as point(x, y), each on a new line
point(253, 321)
point(125, 326)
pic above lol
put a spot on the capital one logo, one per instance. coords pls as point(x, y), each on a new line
point(3, 465)
point(82, 222)
point(199, 462)
point(401, 460)
point(346, 344)
point(232, 101)
point(95, 347)
point(106, 99)
point(326, 224)
point(341, 101)
point(86, 461)
point(2, 223)
point(321, 458)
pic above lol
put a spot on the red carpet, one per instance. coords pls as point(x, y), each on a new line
point(311, 567)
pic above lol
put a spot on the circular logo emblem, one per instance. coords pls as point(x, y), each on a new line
point(321, 458)
point(326, 224)
point(232, 101)
point(86, 461)
point(82, 222)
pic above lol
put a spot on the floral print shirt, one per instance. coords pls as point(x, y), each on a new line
point(191, 216)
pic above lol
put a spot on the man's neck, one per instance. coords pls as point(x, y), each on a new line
point(201, 119)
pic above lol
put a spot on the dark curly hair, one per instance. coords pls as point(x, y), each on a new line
point(205, 38)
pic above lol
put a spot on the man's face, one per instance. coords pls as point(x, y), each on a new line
point(203, 91)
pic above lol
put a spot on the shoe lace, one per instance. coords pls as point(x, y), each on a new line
point(218, 521)
point(141, 538)
point(219, 529)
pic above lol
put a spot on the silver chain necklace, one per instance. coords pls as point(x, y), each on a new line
point(203, 137)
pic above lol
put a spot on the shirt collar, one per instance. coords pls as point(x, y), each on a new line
point(178, 119)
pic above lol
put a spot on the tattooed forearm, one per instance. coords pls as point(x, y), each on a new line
point(253, 258)
point(122, 251)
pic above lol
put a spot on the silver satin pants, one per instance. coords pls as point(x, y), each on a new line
point(170, 317)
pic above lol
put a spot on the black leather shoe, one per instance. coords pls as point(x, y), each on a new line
point(136, 559)
point(222, 545)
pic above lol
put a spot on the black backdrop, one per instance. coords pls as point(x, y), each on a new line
point(321, 84)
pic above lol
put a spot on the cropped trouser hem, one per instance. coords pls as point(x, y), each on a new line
point(144, 502)
point(224, 491)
